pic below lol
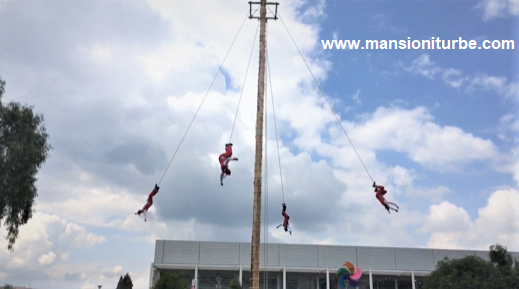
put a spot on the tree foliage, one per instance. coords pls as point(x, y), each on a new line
point(505, 263)
point(474, 272)
point(171, 281)
point(24, 148)
point(235, 284)
point(125, 282)
point(500, 258)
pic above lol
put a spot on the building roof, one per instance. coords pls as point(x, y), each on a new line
point(16, 287)
point(176, 254)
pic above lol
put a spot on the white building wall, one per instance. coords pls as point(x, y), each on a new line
point(192, 253)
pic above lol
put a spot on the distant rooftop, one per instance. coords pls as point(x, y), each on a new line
point(16, 287)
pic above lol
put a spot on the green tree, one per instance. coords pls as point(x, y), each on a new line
point(7, 286)
point(500, 257)
point(474, 272)
point(505, 263)
point(120, 283)
point(171, 281)
point(466, 273)
point(235, 284)
point(125, 282)
point(515, 273)
point(24, 148)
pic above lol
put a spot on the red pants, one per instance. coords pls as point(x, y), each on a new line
point(285, 222)
point(225, 156)
point(149, 203)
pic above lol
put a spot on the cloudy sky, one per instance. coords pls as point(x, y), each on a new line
point(119, 82)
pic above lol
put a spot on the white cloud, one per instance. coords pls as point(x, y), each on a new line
point(447, 218)
point(508, 131)
point(46, 259)
point(510, 121)
point(40, 241)
point(401, 176)
point(508, 124)
point(451, 226)
point(497, 84)
point(498, 8)
point(515, 165)
point(424, 66)
point(356, 97)
point(282, 237)
point(140, 279)
point(433, 194)
point(412, 132)
point(315, 10)
point(91, 205)
point(42, 227)
point(399, 102)
point(452, 77)
point(83, 272)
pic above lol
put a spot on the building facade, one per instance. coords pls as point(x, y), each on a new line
point(213, 265)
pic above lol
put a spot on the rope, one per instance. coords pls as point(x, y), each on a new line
point(243, 86)
point(202, 102)
point(331, 107)
point(275, 125)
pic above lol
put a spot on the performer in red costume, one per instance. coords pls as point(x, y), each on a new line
point(224, 162)
point(380, 192)
point(149, 203)
point(285, 220)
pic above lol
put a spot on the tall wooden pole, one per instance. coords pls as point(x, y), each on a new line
point(256, 217)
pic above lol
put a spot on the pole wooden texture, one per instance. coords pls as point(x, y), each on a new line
point(256, 217)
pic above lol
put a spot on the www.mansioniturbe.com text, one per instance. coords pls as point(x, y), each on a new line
point(433, 43)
